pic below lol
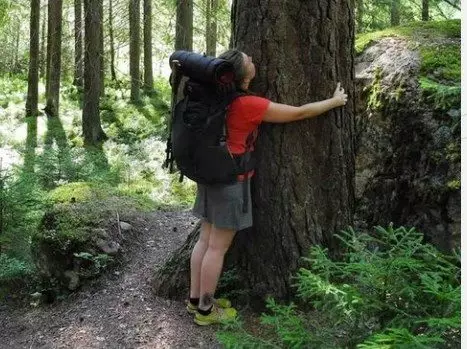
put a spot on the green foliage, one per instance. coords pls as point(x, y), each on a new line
point(12, 91)
point(22, 206)
point(442, 62)
point(234, 336)
point(80, 192)
point(388, 290)
point(98, 262)
point(13, 269)
point(439, 95)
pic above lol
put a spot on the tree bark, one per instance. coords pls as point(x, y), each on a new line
point(43, 63)
point(112, 43)
point(211, 27)
point(101, 48)
point(303, 191)
point(148, 74)
point(16, 67)
point(184, 25)
point(33, 74)
point(425, 10)
point(135, 50)
point(91, 122)
point(395, 12)
point(78, 79)
point(359, 16)
point(54, 52)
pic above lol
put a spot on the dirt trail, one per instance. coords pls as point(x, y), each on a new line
point(119, 310)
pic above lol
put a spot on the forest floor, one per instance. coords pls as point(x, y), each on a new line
point(118, 310)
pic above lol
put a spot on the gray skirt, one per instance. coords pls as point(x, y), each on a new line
point(222, 205)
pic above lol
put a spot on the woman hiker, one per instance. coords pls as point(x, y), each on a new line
point(224, 215)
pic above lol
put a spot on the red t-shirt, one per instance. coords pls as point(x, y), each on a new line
point(243, 118)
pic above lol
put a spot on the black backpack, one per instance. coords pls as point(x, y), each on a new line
point(197, 140)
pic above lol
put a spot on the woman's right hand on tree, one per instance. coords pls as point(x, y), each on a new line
point(339, 95)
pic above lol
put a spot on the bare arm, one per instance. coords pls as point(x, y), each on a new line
point(281, 113)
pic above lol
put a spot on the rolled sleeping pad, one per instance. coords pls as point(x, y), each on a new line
point(202, 68)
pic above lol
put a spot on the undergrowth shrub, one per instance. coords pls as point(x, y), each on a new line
point(389, 290)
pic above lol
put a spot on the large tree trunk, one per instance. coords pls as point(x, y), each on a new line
point(184, 25)
point(78, 79)
point(33, 74)
point(211, 27)
point(395, 12)
point(303, 192)
point(148, 75)
point(425, 10)
point(92, 130)
point(33, 86)
point(54, 53)
point(135, 51)
point(112, 43)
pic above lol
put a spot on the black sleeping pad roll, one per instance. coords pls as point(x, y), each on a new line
point(204, 69)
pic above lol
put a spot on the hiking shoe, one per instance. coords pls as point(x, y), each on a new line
point(220, 302)
point(216, 316)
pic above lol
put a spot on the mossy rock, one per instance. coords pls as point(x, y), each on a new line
point(74, 239)
point(438, 43)
point(412, 31)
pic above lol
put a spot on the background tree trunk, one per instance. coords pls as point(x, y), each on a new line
point(54, 51)
point(359, 16)
point(112, 43)
point(148, 74)
point(42, 51)
point(15, 65)
point(78, 79)
point(425, 10)
point(102, 49)
point(135, 54)
point(211, 27)
point(395, 12)
point(184, 25)
point(303, 192)
point(33, 74)
point(92, 130)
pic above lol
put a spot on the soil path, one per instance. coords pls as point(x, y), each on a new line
point(118, 310)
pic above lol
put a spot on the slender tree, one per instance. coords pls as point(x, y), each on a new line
point(43, 64)
point(395, 12)
point(91, 122)
point(148, 73)
point(78, 78)
point(135, 50)
point(101, 48)
point(211, 27)
point(303, 192)
point(425, 10)
point(112, 43)
point(15, 64)
point(54, 53)
point(33, 75)
point(359, 15)
point(184, 25)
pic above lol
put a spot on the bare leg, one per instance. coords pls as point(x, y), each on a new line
point(219, 243)
point(197, 258)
